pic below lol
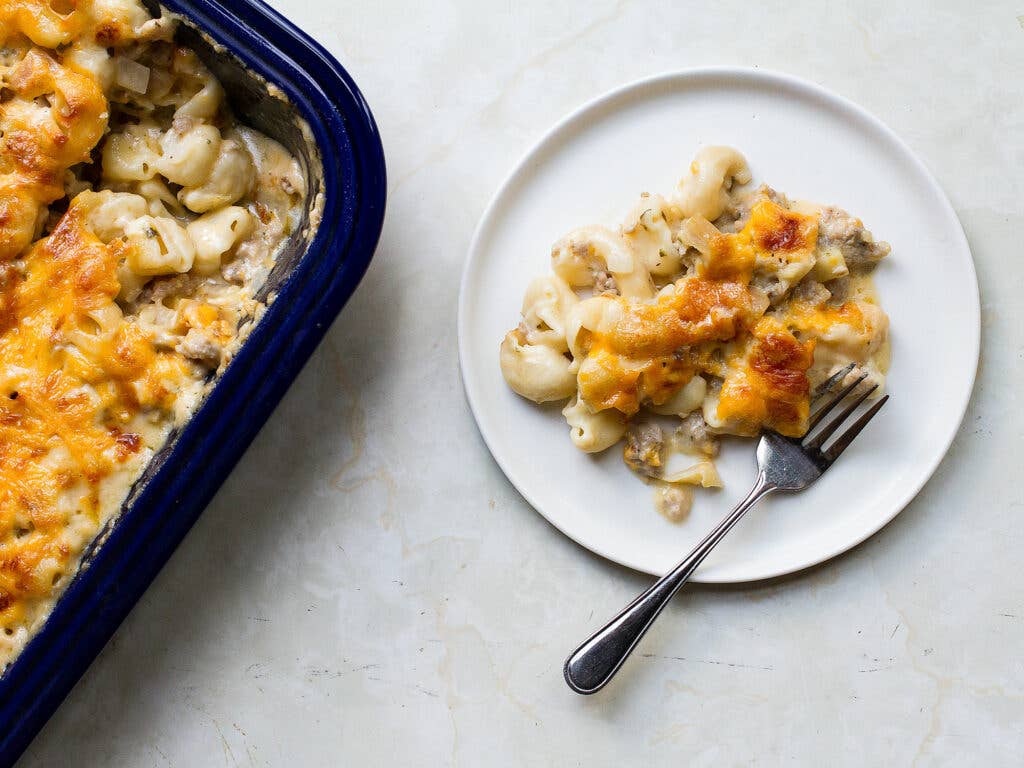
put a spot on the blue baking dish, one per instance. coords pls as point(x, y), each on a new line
point(314, 277)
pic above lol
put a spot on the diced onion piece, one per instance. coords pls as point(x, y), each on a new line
point(132, 76)
point(703, 474)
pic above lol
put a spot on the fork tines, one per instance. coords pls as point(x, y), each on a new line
point(817, 442)
point(830, 383)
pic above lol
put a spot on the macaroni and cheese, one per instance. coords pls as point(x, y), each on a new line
point(138, 220)
point(720, 305)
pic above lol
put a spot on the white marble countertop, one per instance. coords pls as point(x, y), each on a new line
point(368, 589)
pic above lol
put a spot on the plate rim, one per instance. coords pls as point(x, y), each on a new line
point(742, 73)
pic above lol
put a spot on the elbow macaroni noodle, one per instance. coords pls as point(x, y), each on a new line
point(124, 283)
point(722, 306)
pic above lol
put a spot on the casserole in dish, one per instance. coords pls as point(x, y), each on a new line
point(182, 213)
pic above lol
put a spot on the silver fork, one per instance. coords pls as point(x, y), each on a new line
point(783, 464)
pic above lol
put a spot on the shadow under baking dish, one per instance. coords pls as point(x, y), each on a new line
point(248, 46)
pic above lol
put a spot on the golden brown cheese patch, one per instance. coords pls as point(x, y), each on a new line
point(773, 229)
point(608, 381)
point(51, 121)
point(647, 355)
point(74, 376)
point(47, 23)
point(819, 319)
point(655, 348)
point(730, 257)
point(698, 310)
point(54, 24)
point(767, 384)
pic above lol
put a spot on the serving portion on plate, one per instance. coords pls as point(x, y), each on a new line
point(140, 219)
point(722, 305)
point(633, 347)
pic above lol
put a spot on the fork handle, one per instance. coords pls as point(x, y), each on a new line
point(589, 668)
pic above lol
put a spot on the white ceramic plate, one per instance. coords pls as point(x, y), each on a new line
point(811, 145)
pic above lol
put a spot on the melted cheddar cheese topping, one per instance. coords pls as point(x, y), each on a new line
point(75, 385)
point(123, 284)
point(55, 23)
point(653, 349)
point(766, 384)
point(51, 121)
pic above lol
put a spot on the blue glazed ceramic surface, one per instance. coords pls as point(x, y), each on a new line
point(312, 285)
